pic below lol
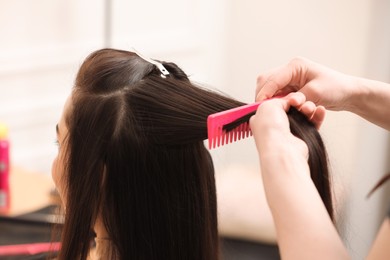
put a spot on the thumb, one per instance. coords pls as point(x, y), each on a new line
point(266, 90)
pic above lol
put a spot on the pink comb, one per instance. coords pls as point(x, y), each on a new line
point(218, 136)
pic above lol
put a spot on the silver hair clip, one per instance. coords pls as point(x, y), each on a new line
point(163, 70)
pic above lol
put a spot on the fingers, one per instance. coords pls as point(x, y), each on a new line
point(318, 116)
point(266, 88)
point(296, 99)
point(271, 114)
point(271, 130)
point(271, 82)
point(308, 108)
point(283, 80)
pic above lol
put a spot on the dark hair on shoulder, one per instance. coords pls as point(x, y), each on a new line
point(135, 156)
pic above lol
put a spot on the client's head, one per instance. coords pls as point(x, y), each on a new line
point(132, 155)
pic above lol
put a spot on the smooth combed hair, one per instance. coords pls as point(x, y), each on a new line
point(302, 128)
point(135, 156)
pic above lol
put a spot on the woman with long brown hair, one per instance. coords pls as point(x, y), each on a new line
point(132, 167)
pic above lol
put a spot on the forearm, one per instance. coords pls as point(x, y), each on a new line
point(303, 226)
point(371, 100)
point(379, 249)
point(304, 229)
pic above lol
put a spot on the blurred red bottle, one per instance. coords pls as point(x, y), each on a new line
point(4, 170)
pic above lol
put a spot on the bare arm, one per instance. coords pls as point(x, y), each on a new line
point(332, 89)
point(304, 229)
point(371, 101)
point(380, 249)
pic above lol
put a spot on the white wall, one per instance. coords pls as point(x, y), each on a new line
point(41, 45)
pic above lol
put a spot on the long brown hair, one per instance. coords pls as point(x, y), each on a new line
point(135, 155)
point(302, 128)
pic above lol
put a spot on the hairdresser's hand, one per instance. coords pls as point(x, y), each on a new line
point(320, 84)
point(315, 114)
point(279, 150)
point(303, 227)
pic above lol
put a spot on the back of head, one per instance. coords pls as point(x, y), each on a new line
point(136, 157)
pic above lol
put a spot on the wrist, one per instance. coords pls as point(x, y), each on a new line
point(283, 161)
point(360, 92)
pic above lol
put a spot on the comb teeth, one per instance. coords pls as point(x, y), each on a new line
point(223, 137)
point(218, 136)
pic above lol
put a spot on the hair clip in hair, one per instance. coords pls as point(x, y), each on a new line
point(163, 70)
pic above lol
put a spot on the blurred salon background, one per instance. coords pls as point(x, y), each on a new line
point(222, 44)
